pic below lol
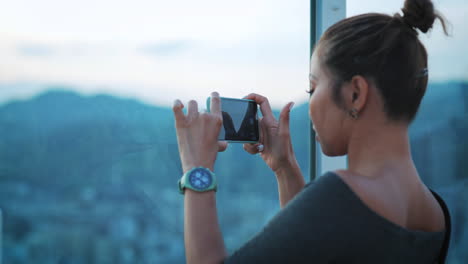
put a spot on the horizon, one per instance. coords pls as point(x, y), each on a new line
point(59, 88)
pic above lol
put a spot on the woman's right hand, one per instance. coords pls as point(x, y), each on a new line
point(275, 145)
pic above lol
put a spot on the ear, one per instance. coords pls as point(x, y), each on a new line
point(357, 93)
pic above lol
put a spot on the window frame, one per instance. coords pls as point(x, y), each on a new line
point(323, 14)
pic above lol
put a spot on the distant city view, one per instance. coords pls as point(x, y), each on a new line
point(92, 179)
point(88, 153)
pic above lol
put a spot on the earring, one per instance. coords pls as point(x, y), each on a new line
point(353, 113)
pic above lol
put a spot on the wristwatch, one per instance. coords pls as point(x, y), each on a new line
point(199, 179)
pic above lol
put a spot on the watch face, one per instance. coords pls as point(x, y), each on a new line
point(200, 179)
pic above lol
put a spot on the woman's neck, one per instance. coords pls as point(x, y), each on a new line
point(375, 150)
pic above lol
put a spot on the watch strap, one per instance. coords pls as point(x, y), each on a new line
point(184, 182)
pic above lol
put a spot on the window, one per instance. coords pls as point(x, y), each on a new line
point(88, 154)
point(327, 13)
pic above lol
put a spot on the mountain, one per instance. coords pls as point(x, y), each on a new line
point(108, 167)
point(439, 131)
point(92, 179)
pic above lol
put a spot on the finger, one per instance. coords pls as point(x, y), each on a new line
point(222, 146)
point(263, 102)
point(192, 109)
point(251, 148)
point(215, 105)
point(260, 148)
point(261, 128)
point(284, 119)
point(178, 113)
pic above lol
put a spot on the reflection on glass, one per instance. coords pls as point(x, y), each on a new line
point(240, 121)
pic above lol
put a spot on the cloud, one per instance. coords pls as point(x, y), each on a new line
point(166, 48)
point(36, 50)
point(161, 50)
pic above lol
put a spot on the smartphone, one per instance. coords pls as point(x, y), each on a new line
point(240, 120)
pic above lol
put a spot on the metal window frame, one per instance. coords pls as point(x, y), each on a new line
point(323, 13)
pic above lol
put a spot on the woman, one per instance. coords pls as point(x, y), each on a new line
point(368, 75)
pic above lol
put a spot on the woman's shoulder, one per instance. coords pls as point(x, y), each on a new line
point(408, 207)
point(329, 179)
point(327, 190)
point(335, 197)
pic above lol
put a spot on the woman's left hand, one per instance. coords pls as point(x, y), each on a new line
point(197, 133)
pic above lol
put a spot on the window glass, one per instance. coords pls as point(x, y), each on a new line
point(438, 135)
point(328, 13)
point(88, 154)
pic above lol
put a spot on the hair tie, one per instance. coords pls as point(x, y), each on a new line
point(423, 73)
point(404, 22)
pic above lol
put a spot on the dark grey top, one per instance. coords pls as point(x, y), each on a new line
point(328, 223)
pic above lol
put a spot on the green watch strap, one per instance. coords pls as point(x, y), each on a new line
point(185, 183)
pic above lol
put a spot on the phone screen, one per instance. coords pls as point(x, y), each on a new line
point(240, 120)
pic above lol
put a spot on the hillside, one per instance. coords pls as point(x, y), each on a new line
point(92, 179)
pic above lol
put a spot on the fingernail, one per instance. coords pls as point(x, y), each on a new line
point(260, 148)
point(177, 102)
point(214, 94)
point(291, 106)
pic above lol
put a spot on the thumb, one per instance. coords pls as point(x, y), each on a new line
point(284, 119)
point(222, 146)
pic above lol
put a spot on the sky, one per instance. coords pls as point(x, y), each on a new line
point(157, 51)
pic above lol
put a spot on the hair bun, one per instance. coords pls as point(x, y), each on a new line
point(419, 14)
